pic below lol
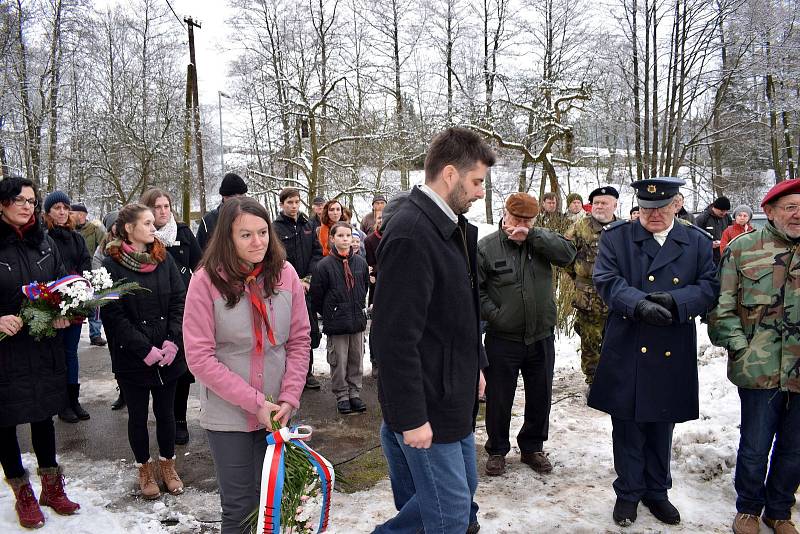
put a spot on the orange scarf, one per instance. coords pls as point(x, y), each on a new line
point(259, 310)
point(324, 239)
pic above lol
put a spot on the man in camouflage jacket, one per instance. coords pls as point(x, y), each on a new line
point(591, 311)
point(550, 217)
point(757, 319)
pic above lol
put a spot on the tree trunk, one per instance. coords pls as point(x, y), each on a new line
point(788, 144)
point(55, 80)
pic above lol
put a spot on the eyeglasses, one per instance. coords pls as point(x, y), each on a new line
point(790, 209)
point(21, 200)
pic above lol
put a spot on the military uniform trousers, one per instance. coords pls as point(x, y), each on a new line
point(506, 360)
point(589, 326)
point(642, 453)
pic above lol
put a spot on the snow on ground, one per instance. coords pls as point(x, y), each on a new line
point(577, 497)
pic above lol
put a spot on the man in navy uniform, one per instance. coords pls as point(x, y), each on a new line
point(656, 275)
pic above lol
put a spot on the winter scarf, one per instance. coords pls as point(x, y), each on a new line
point(349, 279)
point(142, 262)
point(22, 230)
point(324, 239)
point(260, 316)
point(168, 233)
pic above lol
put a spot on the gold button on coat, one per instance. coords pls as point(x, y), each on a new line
point(651, 278)
point(668, 354)
point(644, 349)
point(675, 281)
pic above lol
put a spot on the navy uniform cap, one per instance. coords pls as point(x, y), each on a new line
point(657, 192)
point(605, 190)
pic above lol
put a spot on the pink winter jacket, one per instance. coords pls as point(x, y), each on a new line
point(219, 345)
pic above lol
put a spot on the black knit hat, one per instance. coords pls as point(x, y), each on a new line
point(54, 198)
point(722, 203)
point(79, 206)
point(232, 184)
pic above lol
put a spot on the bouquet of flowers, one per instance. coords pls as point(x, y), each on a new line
point(72, 297)
point(296, 485)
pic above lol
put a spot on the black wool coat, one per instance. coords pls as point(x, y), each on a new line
point(139, 321)
point(425, 326)
point(72, 247)
point(342, 309)
point(206, 227)
point(303, 249)
point(186, 252)
point(33, 374)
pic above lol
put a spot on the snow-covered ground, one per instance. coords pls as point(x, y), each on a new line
point(577, 497)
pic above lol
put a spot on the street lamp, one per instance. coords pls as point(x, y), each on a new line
point(220, 94)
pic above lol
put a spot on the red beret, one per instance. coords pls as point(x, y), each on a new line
point(786, 187)
point(522, 205)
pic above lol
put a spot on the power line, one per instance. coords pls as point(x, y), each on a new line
point(176, 15)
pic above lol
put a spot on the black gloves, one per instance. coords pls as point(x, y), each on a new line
point(664, 299)
point(652, 313)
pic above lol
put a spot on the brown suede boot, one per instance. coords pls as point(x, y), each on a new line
point(147, 481)
point(28, 511)
point(170, 477)
point(53, 494)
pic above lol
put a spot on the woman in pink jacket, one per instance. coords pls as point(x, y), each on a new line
point(246, 336)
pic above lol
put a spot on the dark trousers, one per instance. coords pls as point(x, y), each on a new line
point(71, 338)
point(238, 460)
point(768, 415)
point(182, 388)
point(43, 438)
point(138, 400)
point(642, 452)
point(506, 360)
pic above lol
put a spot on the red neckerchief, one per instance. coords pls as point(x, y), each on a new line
point(259, 310)
point(24, 228)
point(349, 279)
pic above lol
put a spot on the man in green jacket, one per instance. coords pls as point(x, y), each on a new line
point(757, 319)
point(516, 293)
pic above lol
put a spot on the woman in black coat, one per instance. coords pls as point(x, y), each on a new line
point(185, 250)
point(75, 258)
point(144, 333)
point(33, 374)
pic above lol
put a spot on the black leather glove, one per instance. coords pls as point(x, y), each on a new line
point(652, 313)
point(664, 299)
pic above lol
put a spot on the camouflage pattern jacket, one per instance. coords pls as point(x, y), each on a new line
point(555, 221)
point(757, 317)
point(585, 234)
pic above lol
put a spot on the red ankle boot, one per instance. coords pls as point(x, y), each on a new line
point(28, 511)
point(53, 491)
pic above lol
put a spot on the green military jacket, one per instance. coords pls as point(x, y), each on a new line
point(757, 317)
point(585, 234)
point(92, 232)
point(516, 283)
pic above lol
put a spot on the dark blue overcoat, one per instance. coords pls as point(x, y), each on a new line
point(649, 373)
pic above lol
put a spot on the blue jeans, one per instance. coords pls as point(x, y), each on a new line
point(95, 326)
point(433, 488)
point(72, 336)
point(768, 415)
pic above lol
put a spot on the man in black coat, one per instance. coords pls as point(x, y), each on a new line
point(426, 331)
point(715, 220)
point(232, 186)
point(303, 251)
point(656, 275)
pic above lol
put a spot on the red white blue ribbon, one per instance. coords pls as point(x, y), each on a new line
point(273, 476)
point(33, 292)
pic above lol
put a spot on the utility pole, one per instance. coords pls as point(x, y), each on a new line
point(201, 178)
point(187, 149)
point(220, 94)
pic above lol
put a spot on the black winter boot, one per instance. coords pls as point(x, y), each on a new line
point(120, 402)
point(68, 414)
point(74, 391)
point(181, 433)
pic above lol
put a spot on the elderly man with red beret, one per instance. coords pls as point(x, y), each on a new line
point(757, 319)
point(516, 294)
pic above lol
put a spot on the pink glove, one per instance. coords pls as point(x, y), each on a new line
point(169, 350)
point(154, 356)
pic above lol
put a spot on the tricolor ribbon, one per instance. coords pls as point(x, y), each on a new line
point(273, 476)
point(33, 292)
